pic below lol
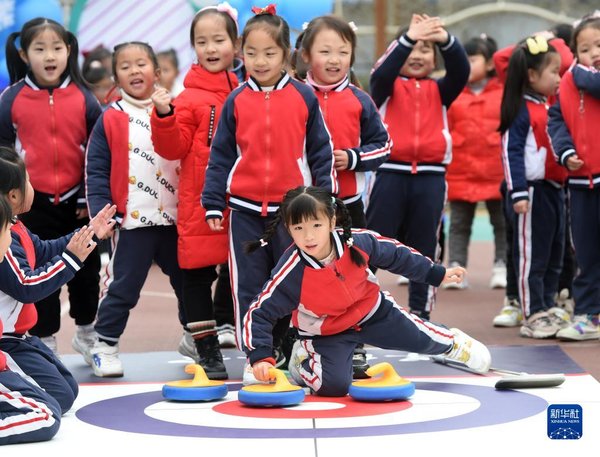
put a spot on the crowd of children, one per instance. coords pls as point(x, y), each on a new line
point(247, 188)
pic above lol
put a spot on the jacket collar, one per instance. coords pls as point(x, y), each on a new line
point(338, 246)
point(31, 82)
point(200, 78)
point(534, 97)
point(255, 85)
point(337, 87)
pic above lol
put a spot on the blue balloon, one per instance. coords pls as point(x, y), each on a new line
point(4, 78)
point(26, 10)
point(297, 12)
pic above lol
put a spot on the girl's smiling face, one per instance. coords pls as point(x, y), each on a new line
point(313, 236)
point(329, 57)
point(263, 58)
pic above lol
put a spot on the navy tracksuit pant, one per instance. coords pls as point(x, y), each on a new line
point(328, 368)
point(250, 272)
point(409, 208)
point(133, 252)
point(585, 230)
point(538, 244)
point(27, 413)
point(31, 359)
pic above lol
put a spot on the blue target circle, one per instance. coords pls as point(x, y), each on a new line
point(126, 414)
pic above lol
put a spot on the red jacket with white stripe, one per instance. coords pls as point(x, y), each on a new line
point(267, 142)
point(355, 127)
point(32, 269)
point(187, 135)
point(49, 128)
point(415, 109)
point(326, 300)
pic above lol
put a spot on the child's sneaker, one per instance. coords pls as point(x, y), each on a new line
point(359, 363)
point(560, 317)
point(510, 315)
point(187, 347)
point(402, 280)
point(299, 354)
point(539, 325)
point(210, 357)
point(83, 341)
point(584, 327)
point(498, 279)
point(226, 335)
point(50, 341)
point(469, 351)
point(106, 360)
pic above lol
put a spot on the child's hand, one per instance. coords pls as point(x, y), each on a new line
point(454, 275)
point(521, 207)
point(215, 224)
point(103, 223)
point(81, 243)
point(340, 159)
point(162, 100)
point(261, 371)
point(574, 163)
point(423, 27)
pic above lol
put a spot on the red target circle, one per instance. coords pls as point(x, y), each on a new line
point(347, 407)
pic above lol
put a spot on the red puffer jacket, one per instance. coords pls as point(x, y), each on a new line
point(187, 135)
point(475, 172)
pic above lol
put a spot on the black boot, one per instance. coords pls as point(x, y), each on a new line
point(359, 362)
point(210, 357)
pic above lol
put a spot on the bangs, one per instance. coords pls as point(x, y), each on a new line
point(303, 208)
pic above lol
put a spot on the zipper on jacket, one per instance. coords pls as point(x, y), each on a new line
point(417, 127)
point(211, 124)
point(265, 202)
point(325, 115)
point(56, 178)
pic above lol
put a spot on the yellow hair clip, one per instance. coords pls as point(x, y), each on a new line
point(536, 44)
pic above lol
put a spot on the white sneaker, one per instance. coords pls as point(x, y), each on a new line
point(584, 327)
point(226, 335)
point(297, 356)
point(539, 325)
point(106, 360)
point(560, 317)
point(498, 279)
point(455, 285)
point(50, 341)
point(187, 347)
point(83, 341)
point(510, 315)
point(469, 351)
point(402, 280)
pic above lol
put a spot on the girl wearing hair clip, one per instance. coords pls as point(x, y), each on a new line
point(361, 142)
point(184, 130)
point(324, 280)
point(271, 137)
point(535, 197)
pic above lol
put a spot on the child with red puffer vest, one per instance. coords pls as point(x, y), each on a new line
point(184, 130)
point(475, 173)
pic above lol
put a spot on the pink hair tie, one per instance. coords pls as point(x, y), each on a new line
point(269, 9)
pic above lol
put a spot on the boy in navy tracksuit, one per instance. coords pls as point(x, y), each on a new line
point(336, 302)
point(409, 193)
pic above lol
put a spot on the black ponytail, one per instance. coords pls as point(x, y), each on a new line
point(17, 68)
point(302, 203)
point(517, 80)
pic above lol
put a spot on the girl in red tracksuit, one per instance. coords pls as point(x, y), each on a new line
point(271, 137)
point(360, 139)
point(325, 281)
point(573, 126)
point(409, 192)
point(184, 130)
point(47, 115)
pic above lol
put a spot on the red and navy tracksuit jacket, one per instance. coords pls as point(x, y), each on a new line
point(266, 143)
point(327, 300)
point(414, 110)
point(532, 174)
point(355, 127)
point(573, 127)
point(32, 270)
point(53, 150)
